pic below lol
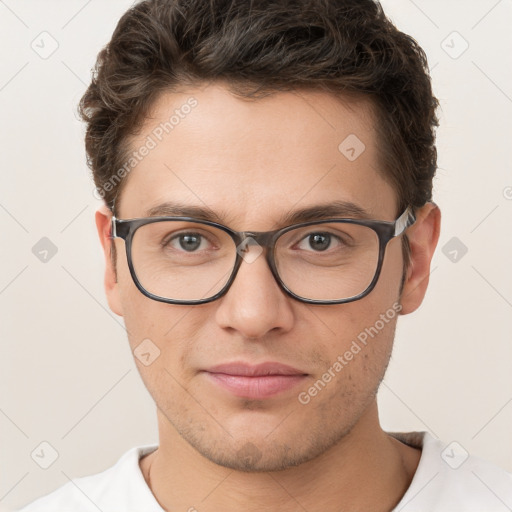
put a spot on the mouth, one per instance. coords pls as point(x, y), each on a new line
point(255, 382)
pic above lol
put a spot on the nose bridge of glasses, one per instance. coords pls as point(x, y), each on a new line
point(262, 238)
point(262, 242)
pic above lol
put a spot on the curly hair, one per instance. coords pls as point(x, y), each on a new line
point(260, 47)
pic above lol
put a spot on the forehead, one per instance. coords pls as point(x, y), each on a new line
point(250, 161)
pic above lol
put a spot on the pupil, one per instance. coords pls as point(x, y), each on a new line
point(320, 241)
point(189, 242)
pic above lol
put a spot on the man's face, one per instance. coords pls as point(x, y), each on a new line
point(251, 162)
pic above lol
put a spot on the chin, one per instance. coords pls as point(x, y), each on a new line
point(262, 454)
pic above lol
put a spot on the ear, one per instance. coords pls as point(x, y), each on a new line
point(103, 224)
point(423, 236)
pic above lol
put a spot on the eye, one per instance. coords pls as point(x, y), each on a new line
point(189, 242)
point(319, 241)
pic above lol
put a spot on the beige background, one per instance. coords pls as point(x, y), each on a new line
point(67, 375)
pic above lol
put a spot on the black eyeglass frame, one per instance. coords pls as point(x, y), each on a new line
point(385, 230)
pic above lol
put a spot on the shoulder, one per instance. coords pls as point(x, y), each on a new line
point(448, 478)
point(117, 488)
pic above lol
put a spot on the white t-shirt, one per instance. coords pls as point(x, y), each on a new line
point(447, 480)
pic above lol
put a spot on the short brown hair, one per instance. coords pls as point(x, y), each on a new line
point(340, 46)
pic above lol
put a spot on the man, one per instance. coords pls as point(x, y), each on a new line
point(267, 176)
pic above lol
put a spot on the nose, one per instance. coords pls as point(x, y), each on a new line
point(255, 304)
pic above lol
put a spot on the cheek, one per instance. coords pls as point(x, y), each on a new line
point(158, 345)
point(353, 365)
point(144, 318)
point(363, 336)
point(356, 339)
point(162, 338)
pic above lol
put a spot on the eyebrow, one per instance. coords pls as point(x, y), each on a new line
point(334, 209)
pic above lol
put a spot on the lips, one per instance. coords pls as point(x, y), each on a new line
point(255, 381)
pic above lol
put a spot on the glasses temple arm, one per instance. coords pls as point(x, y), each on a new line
point(404, 221)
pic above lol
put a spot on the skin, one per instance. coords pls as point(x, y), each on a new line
point(251, 162)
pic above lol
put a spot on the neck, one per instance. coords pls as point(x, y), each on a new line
point(367, 470)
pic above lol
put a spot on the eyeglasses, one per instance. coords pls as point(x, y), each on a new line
point(182, 260)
